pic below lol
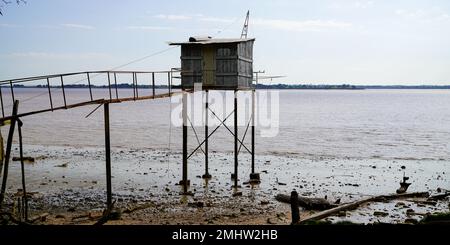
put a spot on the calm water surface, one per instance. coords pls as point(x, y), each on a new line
point(392, 124)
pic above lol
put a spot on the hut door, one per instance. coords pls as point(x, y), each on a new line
point(209, 65)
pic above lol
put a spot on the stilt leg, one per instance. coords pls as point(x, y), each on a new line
point(185, 182)
point(108, 158)
point(254, 177)
point(206, 175)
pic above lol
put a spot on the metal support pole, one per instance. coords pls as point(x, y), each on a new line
point(206, 175)
point(108, 158)
point(22, 167)
point(254, 177)
point(185, 181)
point(235, 140)
point(8, 151)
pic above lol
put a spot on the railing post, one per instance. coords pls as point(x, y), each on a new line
point(89, 85)
point(109, 86)
point(1, 101)
point(12, 91)
point(64, 93)
point(49, 93)
point(168, 81)
point(134, 90)
point(115, 83)
point(136, 81)
point(153, 83)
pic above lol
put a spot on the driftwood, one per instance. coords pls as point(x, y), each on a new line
point(439, 196)
point(307, 203)
point(354, 205)
point(137, 208)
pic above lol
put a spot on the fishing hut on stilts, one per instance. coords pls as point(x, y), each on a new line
point(217, 64)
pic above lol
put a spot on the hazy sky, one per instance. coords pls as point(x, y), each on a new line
point(321, 42)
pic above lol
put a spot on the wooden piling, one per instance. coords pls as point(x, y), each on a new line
point(8, 151)
point(22, 167)
point(295, 207)
point(107, 157)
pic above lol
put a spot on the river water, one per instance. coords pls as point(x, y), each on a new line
point(386, 124)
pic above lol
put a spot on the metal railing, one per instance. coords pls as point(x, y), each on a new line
point(111, 84)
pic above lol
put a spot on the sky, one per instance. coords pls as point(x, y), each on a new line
point(362, 42)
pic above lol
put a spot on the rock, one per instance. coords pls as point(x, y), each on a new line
point(60, 216)
point(269, 221)
point(338, 201)
point(237, 194)
point(410, 211)
point(400, 204)
point(64, 165)
point(380, 213)
point(411, 221)
point(196, 205)
point(264, 202)
point(71, 210)
point(25, 159)
point(403, 167)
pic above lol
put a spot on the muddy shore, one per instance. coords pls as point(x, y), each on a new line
point(69, 184)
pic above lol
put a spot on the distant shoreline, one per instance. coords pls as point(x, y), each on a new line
point(259, 86)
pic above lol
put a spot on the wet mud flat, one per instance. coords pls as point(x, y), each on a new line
point(67, 185)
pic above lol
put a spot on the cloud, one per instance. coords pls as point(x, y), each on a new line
point(49, 55)
point(351, 5)
point(306, 25)
point(8, 25)
point(173, 17)
point(215, 19)
point(424, 15)
point(197, 17)
point(149, 28)
point(78, 26)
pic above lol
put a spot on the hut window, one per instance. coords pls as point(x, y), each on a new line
point(226, 51)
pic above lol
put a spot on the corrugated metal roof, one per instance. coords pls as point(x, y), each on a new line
point(204, 41)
